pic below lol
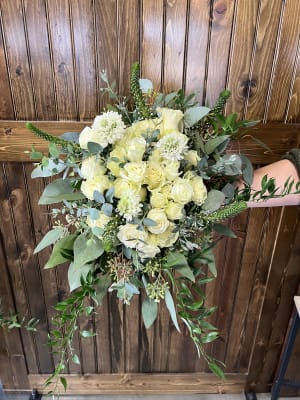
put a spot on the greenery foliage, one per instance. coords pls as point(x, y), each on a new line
point(144, 192)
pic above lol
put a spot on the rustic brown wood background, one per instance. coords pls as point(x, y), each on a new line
point(51, 56)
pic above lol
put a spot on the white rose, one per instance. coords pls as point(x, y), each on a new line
point(130, 236)
point(182, 191)
point(165, 239)
point(135, 149)
point(147, 250)
point(134, 171)
point(98, 183)
point(199, 190)
point(192, 157)
point(158, 199)
point(90, 135)
point(154, 175)
point(158, 216)
point(122, 186)
point(171, 169)
point(92, 166)
point(174, 211)
point(170, 120)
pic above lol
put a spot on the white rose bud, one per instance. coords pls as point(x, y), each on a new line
point(174, 211)
point(130, 236)
point(199, 189)
point(158, 216)
point(182, 191)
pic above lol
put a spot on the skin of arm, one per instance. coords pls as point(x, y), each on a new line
point(280, 171)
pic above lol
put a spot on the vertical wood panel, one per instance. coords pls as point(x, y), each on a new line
point(267, 30)
point(8, 199)
point(152, 41)
point(261, 369)
point(176, 13)
point(128, 40)
point(85, 60)
point(106, 42)
point(42, 74)
point(241, 54)
point(15, 42)
point(163, 328)
point(285, 64)
point(13, 371)
point(293, 114)
point(103, 338)
point(117, 334)
point(197, 47)
point(6, 105)
point(61, 50)
point(222, 16)
point(24, 234)
point(146, 345)
point(132, 335)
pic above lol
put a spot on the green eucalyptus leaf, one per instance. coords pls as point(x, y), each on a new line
point(171, 307)
point(247, 169)
point(57, 257)
point(149, 311)
point(193, 115)
point(50, 238)
point(53, 150)
point(87, 334)
point(215, 198)
point(49, 170)
point(75, 359)
point(59, 190)
point(212, 144)
point(75, 274)
point(86, 249)
point(145, 85)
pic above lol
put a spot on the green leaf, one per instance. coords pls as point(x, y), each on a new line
point(224, 230)
point(247, 169)
point(75, 359)
point(193, 114)
point(210, 337)
point(75, 273)
point(215, 199)
point(87, 334)
point(59, 190)
point(57, 257)
point(53, 150)
point(171, 307)
point(50, 238)
point(180, 263)
point(149, 222)
point(145, 85)
point(51, 169)
point(63, 381)
point(216, 370)
point(94, 148)
point(149, 311)
point(86, 250)
point(212, 144)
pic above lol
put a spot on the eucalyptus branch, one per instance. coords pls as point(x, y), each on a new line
point(66, 326)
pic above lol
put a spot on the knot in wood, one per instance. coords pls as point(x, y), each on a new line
point(19, 71)
point(220, 8)
point(7, 131)
point(249, 87)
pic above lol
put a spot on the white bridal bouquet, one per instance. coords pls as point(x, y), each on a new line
point(144, 191)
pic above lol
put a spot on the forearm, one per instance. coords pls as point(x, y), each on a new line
point(280, 171)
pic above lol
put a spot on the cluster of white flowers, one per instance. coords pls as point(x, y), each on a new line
point(153, 179)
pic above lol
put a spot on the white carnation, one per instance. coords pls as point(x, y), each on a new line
point(173, 146)
point(130, 205)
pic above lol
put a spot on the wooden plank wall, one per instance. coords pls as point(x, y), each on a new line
point(51, 56)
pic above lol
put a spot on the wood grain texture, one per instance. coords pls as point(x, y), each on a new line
point(241, 54)
point(82, 14)
point(176, 30)
point(197, 47)
point(17, 58)
point(152, 40)
point(222, 21)
point(60, 36)
point(285, 62)
point(106, 35)
point(6, 105)
point(128, 40)
point(40, 61)
point(270, 14)
point(148, 383)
